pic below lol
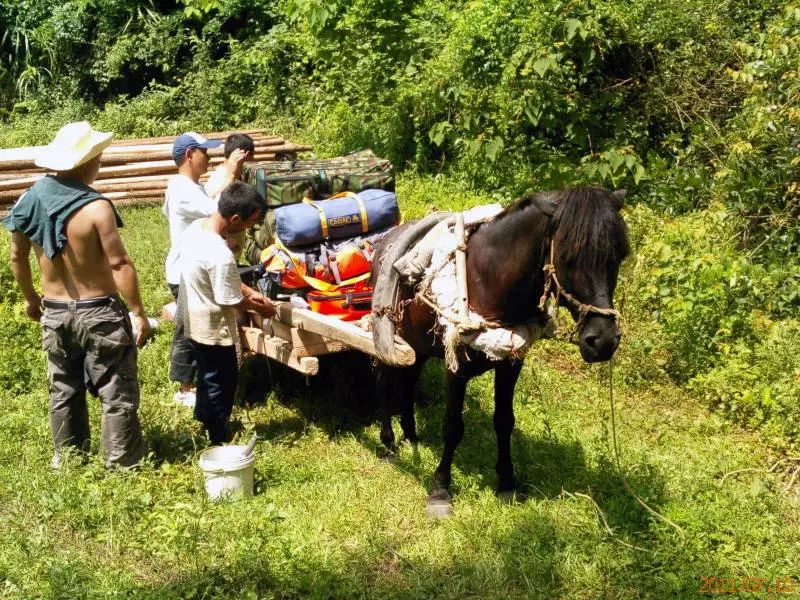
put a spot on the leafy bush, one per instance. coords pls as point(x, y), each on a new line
point(760, 385)
point(759, 177)
point(509, 92)
point(707, 297)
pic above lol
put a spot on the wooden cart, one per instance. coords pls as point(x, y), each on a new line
point(295, 337)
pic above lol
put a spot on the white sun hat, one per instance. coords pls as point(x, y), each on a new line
point(74, 144)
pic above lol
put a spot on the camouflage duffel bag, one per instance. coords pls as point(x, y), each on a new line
point(287, 182)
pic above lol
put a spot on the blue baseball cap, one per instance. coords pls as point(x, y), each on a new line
point(188, 140)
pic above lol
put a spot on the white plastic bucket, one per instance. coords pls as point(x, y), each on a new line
point(228, 474)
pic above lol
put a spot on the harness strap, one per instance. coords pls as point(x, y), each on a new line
point(553, 289)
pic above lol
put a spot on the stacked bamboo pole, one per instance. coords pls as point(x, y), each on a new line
point(131, 171)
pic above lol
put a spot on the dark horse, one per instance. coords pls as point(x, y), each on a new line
point(581, 233)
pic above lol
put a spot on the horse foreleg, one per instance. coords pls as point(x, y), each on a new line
point(505, 379)
point(439, 500)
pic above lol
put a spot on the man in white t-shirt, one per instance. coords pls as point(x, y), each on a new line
point(210, 291)
point(186, 201)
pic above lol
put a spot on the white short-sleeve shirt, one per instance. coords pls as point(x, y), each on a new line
point(217, 182)
point(209, 287)
point(185, 202)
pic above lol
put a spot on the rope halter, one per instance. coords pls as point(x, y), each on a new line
point(554, 290)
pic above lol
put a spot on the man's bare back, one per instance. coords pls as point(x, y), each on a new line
point(81, 270)
point(92, 263)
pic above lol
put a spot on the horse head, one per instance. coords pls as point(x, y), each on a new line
point(586, 243)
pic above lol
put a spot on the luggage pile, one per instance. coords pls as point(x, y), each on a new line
point(323, 220)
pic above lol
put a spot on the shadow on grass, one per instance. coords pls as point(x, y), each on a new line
point(341, 399)
point(545, 466)
point(377, 570)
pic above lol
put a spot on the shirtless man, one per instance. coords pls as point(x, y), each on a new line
point(86, 331)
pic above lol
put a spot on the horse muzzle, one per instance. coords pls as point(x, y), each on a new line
point(599, 339)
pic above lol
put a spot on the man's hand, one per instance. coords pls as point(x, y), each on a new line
point(235, 162)
point(256, 301)
point(263, 305)
point(141, 328)
point(33, 307)
point(21, 268)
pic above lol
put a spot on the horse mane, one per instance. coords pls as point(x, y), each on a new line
point(587, 229)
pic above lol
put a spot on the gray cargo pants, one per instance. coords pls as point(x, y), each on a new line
point(95, 346)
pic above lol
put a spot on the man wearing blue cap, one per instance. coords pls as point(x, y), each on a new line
point(186, 201)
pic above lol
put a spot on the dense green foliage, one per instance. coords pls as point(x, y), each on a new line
point(702, 311)
point(688, 102)
point(509, 93)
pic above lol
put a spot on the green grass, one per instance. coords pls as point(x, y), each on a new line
point(331, 519)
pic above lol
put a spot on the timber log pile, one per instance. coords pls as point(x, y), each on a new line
point(131, 171)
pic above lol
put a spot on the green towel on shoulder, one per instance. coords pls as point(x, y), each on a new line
point(42, 212)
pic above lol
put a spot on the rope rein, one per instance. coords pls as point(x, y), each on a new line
point(622, 477)
point(553, 290)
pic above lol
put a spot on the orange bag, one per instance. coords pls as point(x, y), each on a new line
point(291, 270)
point(352, 262)
point(348, 302)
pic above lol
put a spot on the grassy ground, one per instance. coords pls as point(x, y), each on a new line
point(331, 519)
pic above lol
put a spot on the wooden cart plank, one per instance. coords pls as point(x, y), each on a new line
point(257, 341)
point(304, 343)
point(342, 331)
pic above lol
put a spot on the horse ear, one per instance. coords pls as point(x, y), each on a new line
point(546, 202)
point(619, 198)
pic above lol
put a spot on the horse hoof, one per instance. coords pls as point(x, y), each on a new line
point(507, 497)
point(439, 510)
point(388, 457)
point(440, 505)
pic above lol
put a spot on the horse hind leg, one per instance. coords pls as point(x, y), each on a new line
point(387, 389)
point(440, 503)
point(505, 380)
point(409, 380)
point(395, 389)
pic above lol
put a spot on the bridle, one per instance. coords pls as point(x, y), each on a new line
point(554, 290)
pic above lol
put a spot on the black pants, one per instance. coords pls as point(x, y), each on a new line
point(217, 373)
point(182, 366)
